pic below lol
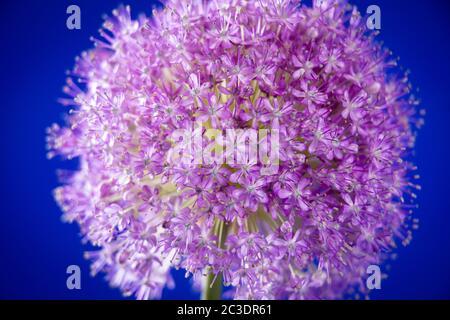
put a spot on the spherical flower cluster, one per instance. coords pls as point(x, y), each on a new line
point(336, 203)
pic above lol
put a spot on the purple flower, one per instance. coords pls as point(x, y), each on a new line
point(298, 193)
point(252, 193)
point(213, 111)
point(303, 68)
point(352, 107)
point(310, 95)
point(337, 201)
point(228, 206)
point(275, 110)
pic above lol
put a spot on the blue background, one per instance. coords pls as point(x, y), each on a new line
point(37, 48)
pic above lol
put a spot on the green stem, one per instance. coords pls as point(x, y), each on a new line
point(213, 290)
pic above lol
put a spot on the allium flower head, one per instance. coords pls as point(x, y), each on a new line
point(311, 76)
